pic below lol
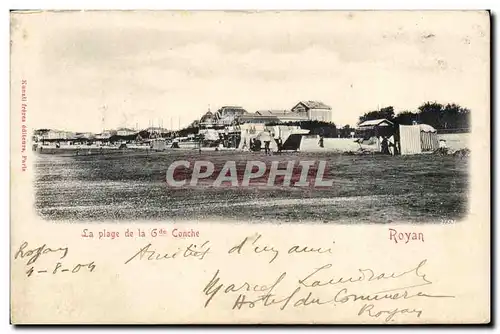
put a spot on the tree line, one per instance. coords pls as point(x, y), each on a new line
point(450, 117)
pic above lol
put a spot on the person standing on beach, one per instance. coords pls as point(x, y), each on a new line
point(257, 145)
point(385, 146)
point(267, 143)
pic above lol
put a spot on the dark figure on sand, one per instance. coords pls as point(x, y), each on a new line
point(385, 146)
point(266, 147)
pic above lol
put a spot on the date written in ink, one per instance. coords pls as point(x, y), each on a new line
point(61, 268)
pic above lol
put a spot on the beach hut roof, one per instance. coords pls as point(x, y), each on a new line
point(376, 122)
point(426, 128)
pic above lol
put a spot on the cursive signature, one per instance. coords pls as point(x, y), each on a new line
point(34, 254)
point(365, 275)
point(309, 291)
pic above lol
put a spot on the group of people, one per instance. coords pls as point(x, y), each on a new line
point(256, 145)
point(389, 145)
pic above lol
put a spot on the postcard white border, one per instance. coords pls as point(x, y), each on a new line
point(151, 4)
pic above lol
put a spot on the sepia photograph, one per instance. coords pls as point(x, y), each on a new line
point(319, 118)
point(250, 167)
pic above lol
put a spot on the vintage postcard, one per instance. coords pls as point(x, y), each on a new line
point(260, 167)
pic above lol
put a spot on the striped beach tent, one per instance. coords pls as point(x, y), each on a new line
point(418, 138)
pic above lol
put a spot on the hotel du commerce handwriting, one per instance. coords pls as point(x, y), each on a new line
point(321, 286)
point(48, 260)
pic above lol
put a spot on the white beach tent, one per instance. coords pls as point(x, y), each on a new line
point(415, 139)
point(266, 136)
point(158, 144)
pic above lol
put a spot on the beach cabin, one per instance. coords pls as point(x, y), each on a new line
point(375, 129)
point(418, 138)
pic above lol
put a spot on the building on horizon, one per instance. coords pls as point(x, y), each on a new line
point(227, 115)
point(314, 110)
point(208, 120)
point(125, 132)
point(105, 134)
point(271, 116)
point(53, 134)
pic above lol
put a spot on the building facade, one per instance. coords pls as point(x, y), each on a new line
point(271, 116)
point(208, 120)
point(125, 132)
point(228, 114)
point(314, 110)
point(56, 134)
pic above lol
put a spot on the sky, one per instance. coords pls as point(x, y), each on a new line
point(92, 70)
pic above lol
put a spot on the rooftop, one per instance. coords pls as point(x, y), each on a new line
point(315, 104)
point(232, 107)
point(376, 122)
point(272, 112)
